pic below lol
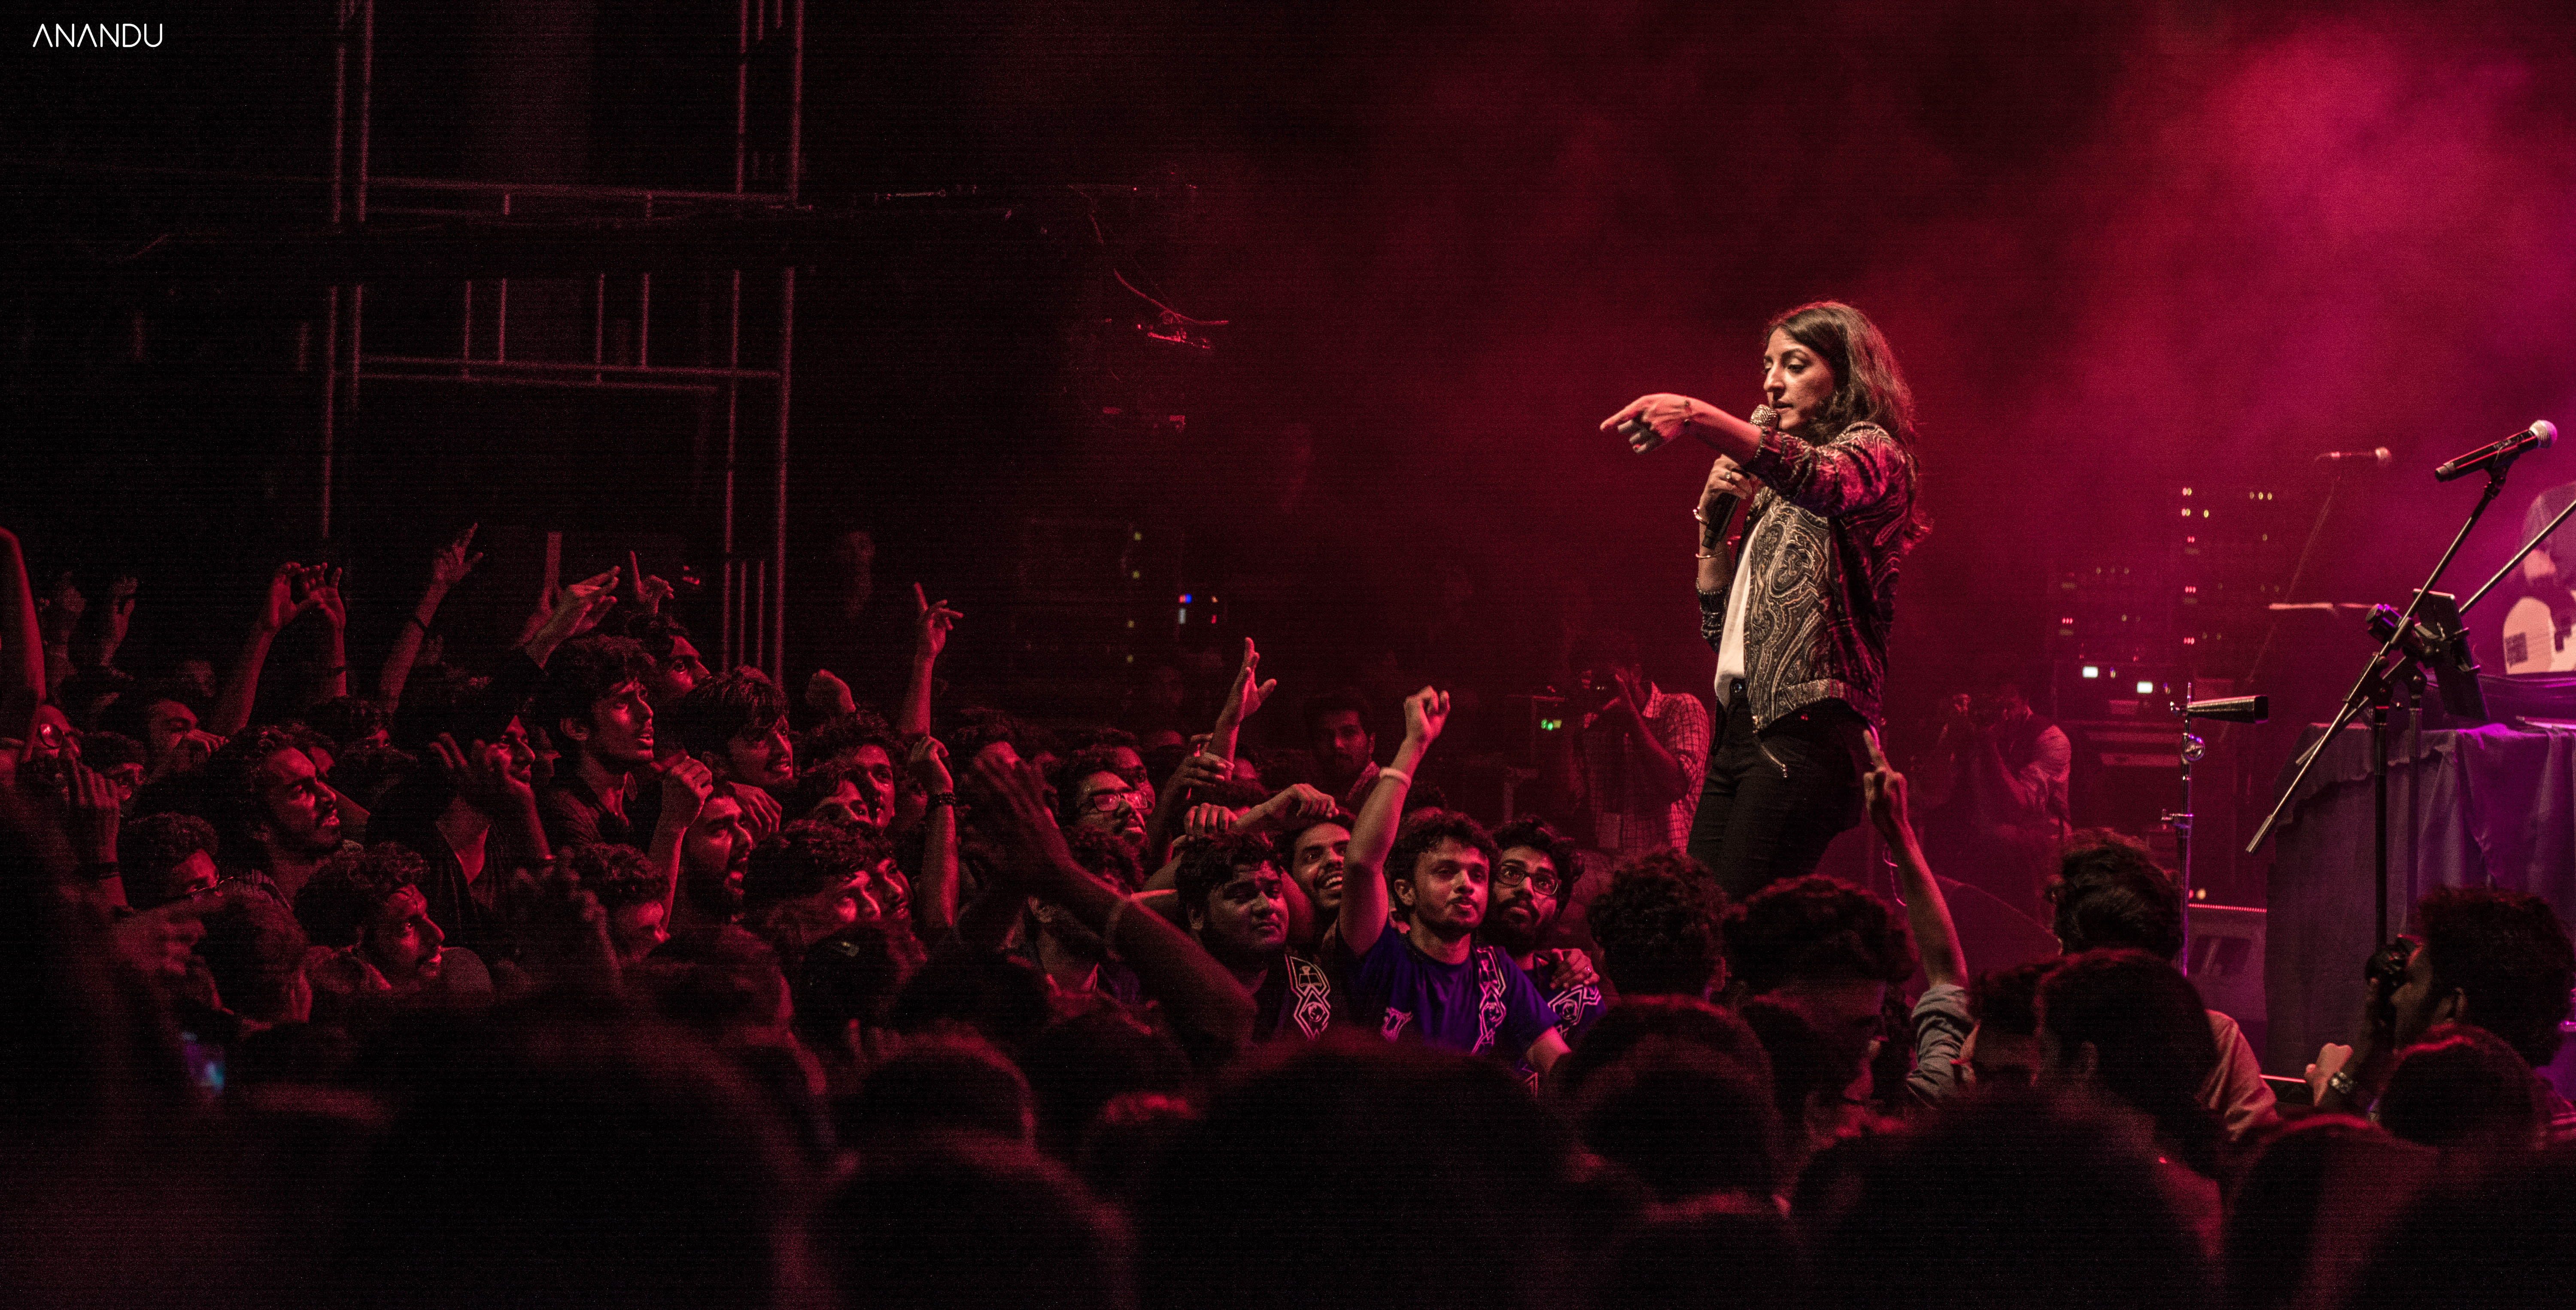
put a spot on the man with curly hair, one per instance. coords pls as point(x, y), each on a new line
point(629, 889)
point(1431, 981)
point(371, 931)
point(1536, 869)
point(274, 816)
point(2499, 960)
point(1657, 925)
point(1824, 950)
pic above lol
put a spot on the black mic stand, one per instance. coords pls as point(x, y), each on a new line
point(2375, 690)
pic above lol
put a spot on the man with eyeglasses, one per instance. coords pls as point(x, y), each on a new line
point(1096, 794)
point(1431, 981)
point(1535, 870)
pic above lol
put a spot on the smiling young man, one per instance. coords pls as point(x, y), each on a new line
point(1432, 982)
point(1236, 902)
point(1313, 853)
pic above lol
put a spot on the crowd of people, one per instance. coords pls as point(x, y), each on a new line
point(599, 976)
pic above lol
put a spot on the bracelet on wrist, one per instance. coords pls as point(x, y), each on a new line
point(1396, 774)
point(939, 798)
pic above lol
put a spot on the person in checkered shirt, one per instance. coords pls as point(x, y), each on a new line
point(1643, 750)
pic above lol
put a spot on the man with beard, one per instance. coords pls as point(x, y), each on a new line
point(713, 857)
point(1534, 876)
point(371, 931)
point(1096, 794)
point(1345, 753)
point(1432, 982)
point(275, 818)
point(1236, 903)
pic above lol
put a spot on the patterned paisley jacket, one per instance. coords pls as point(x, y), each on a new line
point(1824, 538)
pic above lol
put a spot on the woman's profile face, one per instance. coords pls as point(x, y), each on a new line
point(1795, 381)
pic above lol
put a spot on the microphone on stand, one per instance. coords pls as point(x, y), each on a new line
point(2379, 458)
point(2538, 436)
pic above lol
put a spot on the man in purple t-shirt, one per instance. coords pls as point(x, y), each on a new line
point(1432, 982)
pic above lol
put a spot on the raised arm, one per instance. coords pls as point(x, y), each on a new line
point(934, 892)
point(1172, 802)
point(1656, 420)
point(1242, 700)
point(930, 637)
point(575, 612)
point(1363, 913)
point(446, 568)
point(323, 587)
point(1926, 911)
point(1201, 996)
point(20, 645)
point(1857, 471)
point(277, 608)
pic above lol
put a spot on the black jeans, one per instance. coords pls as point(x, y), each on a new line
point(1775, 800)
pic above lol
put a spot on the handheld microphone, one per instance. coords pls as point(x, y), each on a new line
point(2379, 458)
point(2539, 435)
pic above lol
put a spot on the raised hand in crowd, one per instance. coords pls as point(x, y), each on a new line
point(1244, 698)
point(1296, 805)
point(564, 617)
point(321, 593)
point(931, 626)
point(113, 621)
point(1196, 770)
point(687, 786)
point(649, 592)
point(412, 643)
point(1199, 994)
point(1926, 910)
point(1364, 892)
point(280, 605)
point(934, 889)
point(22, 650)
point(484, 774)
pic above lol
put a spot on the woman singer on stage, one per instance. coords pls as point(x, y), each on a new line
point(1799, 611)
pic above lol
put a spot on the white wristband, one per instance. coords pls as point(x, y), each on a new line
point(1399, 775)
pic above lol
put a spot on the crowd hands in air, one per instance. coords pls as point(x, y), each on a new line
point(600, 977)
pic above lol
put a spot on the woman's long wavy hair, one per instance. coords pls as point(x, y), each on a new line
point(1868, 386)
